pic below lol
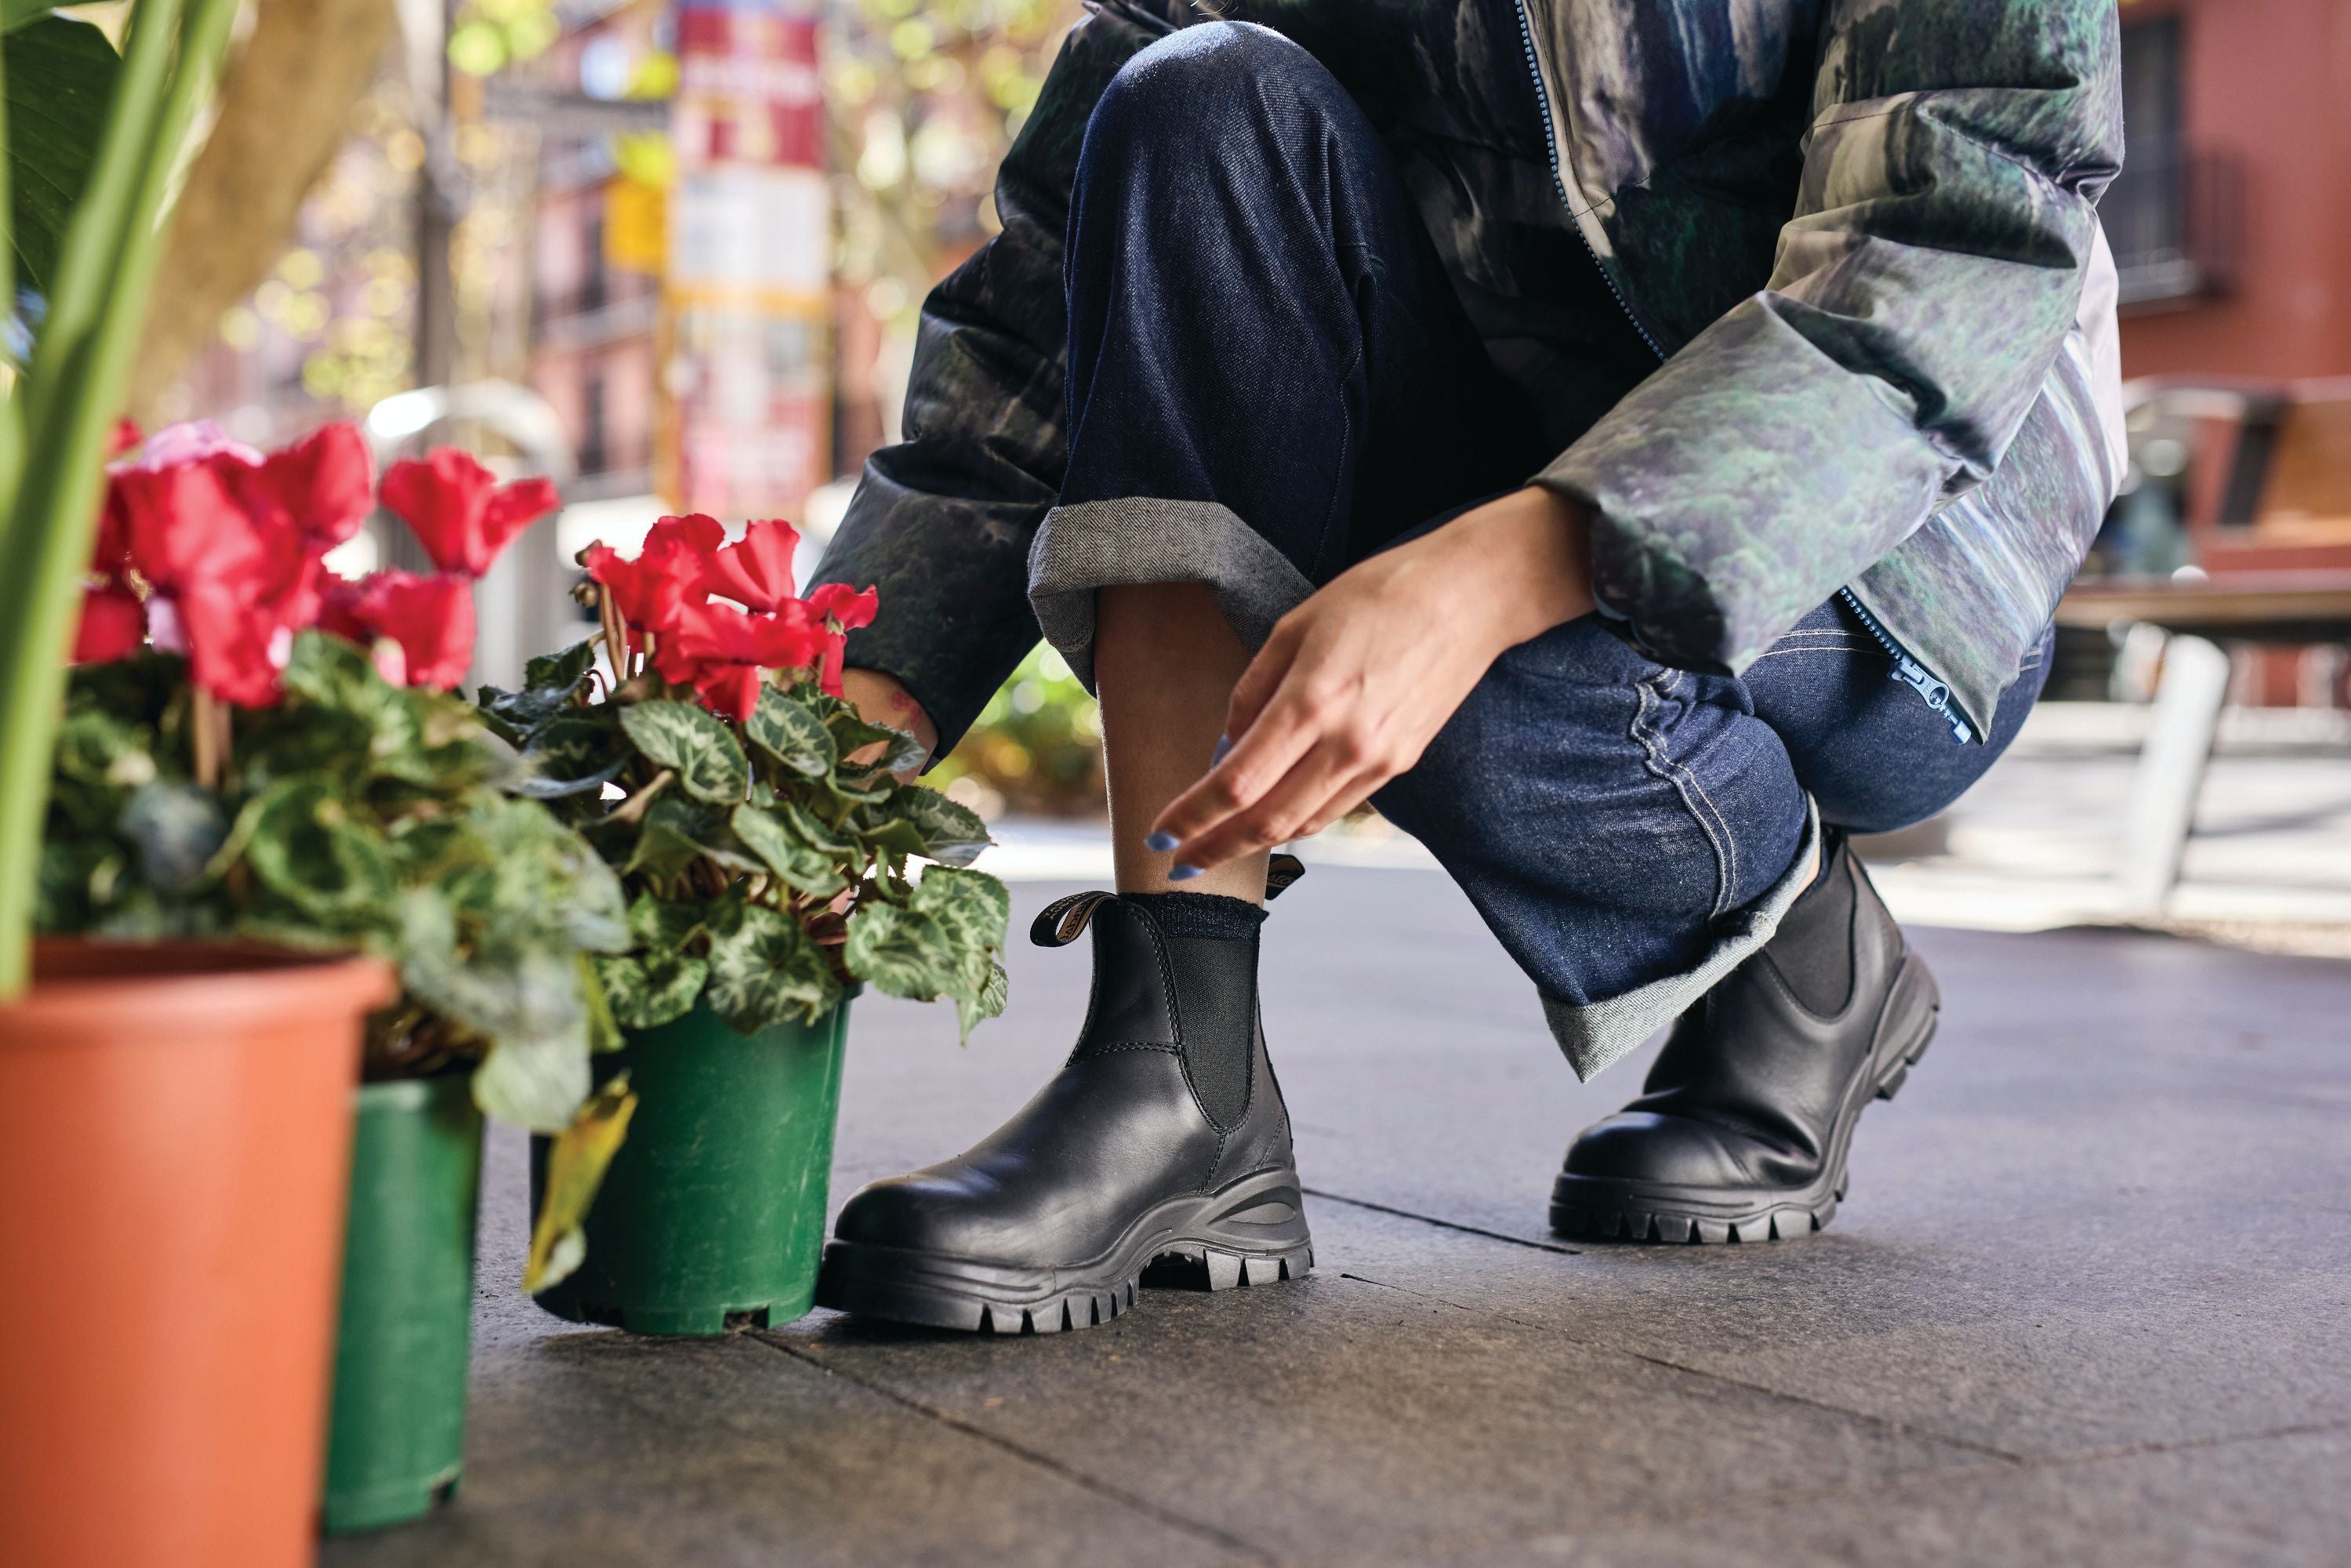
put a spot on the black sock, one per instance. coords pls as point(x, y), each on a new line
point(1812, 949)
point(1209, 914)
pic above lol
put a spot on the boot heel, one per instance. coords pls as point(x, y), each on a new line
point(1912, 1011)
point(1252, 1233)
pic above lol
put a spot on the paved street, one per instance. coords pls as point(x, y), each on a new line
point(2084, 1304)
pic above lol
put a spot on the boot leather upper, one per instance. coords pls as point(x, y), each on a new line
point(1120, 1128)
point(1748, 1087)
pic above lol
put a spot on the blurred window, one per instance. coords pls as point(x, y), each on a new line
point(593, 457)
point(593, 289)
point(2145, 210)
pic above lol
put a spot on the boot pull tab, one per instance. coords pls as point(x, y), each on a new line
point(1280, 871)
point(1064, 921)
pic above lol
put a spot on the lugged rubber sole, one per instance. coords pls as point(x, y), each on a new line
point(1253, 1233)
point(1598, 1208)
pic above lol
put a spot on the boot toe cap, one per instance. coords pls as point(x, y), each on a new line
point(1644, 1146)
point(924, 1212)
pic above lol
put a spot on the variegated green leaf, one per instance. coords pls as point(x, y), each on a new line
point(767, 970)
point(794, 864)
point(790, 734)
point(692, 743)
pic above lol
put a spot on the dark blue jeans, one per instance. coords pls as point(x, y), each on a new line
point(1271, 377)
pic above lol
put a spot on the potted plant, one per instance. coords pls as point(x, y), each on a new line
point(254, 748)
point(173, 1116)
point(764, 839)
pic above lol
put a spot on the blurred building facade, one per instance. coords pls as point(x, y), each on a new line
point(2234, 243)
point(920, 98)
point(2230, 222)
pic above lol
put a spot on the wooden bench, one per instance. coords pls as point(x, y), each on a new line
point(2198, 615)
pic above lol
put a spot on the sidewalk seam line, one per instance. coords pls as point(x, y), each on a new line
point(1045, 1462)
point(1887, 1422)
point(1444, 1224)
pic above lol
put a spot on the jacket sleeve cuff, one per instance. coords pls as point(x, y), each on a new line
point(953, 619)
point(1738, 487)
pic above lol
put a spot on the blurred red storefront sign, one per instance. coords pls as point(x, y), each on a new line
point(747, 314)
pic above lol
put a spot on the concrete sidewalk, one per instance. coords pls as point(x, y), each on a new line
point(2084, 1304)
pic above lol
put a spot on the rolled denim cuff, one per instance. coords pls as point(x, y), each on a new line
point(1595, 1034)
point(1132, 539)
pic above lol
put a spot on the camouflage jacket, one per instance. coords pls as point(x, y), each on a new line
point(1855, 247)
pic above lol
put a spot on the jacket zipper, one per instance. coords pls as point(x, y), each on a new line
point(1907, 670)
point(1559, 183)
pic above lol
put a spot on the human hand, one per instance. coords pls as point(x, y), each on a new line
point(881, 699)
point(1354, 684)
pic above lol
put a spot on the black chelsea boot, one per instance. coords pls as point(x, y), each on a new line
point(1741, 1131)
point(1162, 1136)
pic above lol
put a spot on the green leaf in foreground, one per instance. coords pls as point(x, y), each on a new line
point(974, 910)
point(563, 670)
point(59, 73)
point(900, 750)
point(315, 850)
point(649, 989)
point(661, 927)
point(695, 744)
point(767, 971)
point(790, 734)
point(178, 829)
point(571, 756)
point(952, 834)
point(973, 1012)
point(795, 863)
point(904, 951)
point(576, 1162)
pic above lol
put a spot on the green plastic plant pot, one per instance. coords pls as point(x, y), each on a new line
point(396, 1438)
point(712, 1214)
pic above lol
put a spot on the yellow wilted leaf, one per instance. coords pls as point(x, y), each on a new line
point(574, 1169)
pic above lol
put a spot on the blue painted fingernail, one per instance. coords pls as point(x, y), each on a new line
point(1160, 843)
point(1185, 872)
point(1224, 744)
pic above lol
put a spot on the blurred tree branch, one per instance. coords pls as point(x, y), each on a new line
point(284, 107)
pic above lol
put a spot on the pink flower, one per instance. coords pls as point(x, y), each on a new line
point(458, 511)
point(192, 441)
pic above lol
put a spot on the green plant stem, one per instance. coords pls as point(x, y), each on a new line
point(80, 369)
point(11, 403)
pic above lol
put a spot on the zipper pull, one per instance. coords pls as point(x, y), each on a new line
point(1932, 692)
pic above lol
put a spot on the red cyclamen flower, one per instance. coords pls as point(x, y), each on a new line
point(430, 620)
point(730, 691)
point(231, 582)
point(458, 511)
point(852, 609)
point(757, 570)
point(112, 626)
point(324, 483)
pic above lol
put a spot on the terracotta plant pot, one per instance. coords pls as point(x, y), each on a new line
point(175, 1124)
